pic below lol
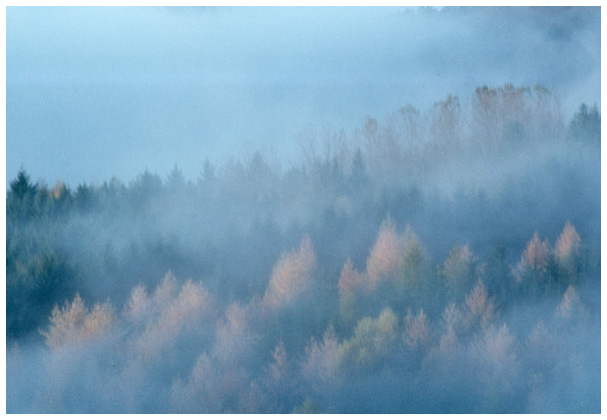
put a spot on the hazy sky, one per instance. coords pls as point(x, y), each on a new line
point(98, 92)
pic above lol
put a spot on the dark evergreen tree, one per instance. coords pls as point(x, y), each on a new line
point(586, 126)
point(358, 176)
point(20, 198)
point(175, 180)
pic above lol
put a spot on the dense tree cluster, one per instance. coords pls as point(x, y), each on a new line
point(446, 261)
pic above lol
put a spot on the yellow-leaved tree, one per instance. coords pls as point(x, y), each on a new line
point(292, 275)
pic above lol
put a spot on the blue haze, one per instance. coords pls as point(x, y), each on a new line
point(99, 92)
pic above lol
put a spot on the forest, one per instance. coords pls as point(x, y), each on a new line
point(430, 261)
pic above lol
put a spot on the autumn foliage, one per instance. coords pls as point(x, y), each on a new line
point(427, 262)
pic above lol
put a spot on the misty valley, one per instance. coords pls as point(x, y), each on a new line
point(430, 261)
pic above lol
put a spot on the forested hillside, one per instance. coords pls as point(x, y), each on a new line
point(445, 260)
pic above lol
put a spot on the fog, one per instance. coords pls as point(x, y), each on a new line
point(99, 92)
point(370, 210)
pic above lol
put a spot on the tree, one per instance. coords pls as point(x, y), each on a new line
point(321, 366)
point(459, 271)
point(417, 330)
point(145, 187)
point(504, 116)
point(386, 256)
point(373, 342)
point(292, 275)
point(85, 198)
point(174, 316)
point(208, 171)
point(350, 286)
point(21, 186)
point(444, 127)
point(175, 180)
point(383, 151)
point(480, 307)
point(533, 270)
point(278, 367)
point(567, 252)
point(74, 323)
point(585, 126)
point(497, 368)
point(34, 283)
point(452, 323)
point(358, 176)
point(571, 306)
point(497, 275)
point(413, 273)
point(201, 392)
point(20, 198)
point(351, 282)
